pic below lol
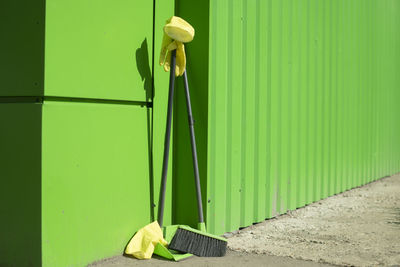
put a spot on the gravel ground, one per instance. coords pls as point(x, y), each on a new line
point(360, 227)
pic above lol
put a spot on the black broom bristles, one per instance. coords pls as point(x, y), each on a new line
point(199, 244)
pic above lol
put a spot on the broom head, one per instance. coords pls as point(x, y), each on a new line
point(202, 244)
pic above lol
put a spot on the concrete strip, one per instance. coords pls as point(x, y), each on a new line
point(360, 227)
point(232, 259)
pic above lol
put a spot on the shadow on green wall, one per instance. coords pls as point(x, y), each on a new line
point(143, 66)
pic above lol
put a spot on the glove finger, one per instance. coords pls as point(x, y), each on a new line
point(164, 48)
point(167, 61)
point(180, 59)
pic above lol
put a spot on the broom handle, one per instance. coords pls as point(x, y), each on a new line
point(167, 140)
point(194, 150)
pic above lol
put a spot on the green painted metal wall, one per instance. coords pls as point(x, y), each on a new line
point(293, 101)
point(94, 50)
point(82, 112)
point(302, 102)
point(20, 175)
point(22, 47)
point(95, 184)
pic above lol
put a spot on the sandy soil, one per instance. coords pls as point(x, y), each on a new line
point(360, 227)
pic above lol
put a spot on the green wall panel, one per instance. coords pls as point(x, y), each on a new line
point(20, 192)
point(22, 47)
point(95, 182)
point(99, 49)
point(301, 103)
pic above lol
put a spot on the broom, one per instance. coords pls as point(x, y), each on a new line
point(187, 239)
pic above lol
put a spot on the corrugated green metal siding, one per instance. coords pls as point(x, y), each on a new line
point(303, 103)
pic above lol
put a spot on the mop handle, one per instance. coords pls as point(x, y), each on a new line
point(194, 150)
point(167, 140)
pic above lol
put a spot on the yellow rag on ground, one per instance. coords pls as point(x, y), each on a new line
point(176, 32)
point(142, 244)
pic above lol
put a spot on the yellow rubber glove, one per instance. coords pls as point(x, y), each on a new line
point(180, 58)
point(142, 244)
point(179, 30)
point(176, 32)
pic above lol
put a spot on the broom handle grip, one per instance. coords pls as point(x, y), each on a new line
point(194, 150)
point(161, 202)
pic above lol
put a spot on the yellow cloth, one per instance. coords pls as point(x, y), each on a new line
point(176, 32)
point(142, 244)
